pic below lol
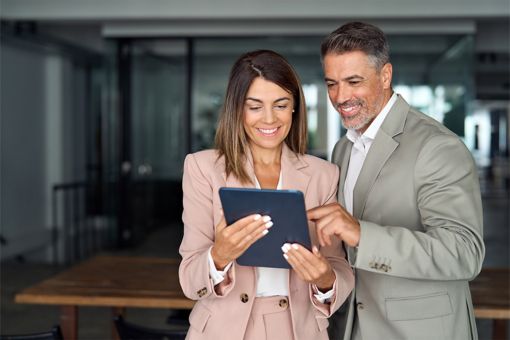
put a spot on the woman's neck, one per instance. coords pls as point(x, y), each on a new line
point(267, 166)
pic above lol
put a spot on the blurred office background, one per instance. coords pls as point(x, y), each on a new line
point(101, 101)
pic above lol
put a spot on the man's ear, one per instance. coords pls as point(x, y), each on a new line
point(386, 74)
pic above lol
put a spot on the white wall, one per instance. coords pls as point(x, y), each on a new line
point(39, 132)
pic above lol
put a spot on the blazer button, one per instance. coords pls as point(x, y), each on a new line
point(360, 306)
point(283, 303)
point(244, 298)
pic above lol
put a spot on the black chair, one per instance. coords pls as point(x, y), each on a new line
point(130, 331)
point(54, 334)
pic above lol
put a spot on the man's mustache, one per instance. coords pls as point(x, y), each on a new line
point(348, 103)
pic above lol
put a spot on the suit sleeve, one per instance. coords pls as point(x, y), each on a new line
point(335, 254)
point(448, 198)
point(198, 219)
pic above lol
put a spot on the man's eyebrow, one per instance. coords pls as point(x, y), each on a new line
point(354, 77)
point(326, 79)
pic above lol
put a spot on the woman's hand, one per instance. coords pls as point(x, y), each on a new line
point(232, 241)
point(311, 267)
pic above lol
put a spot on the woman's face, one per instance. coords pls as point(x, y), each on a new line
point(267, 114)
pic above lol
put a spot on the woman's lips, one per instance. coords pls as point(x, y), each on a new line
point(268, 132)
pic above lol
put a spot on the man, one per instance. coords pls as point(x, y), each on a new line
point(410, 211)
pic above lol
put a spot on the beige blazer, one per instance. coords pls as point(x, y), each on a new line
point(220, 313)
point(418, 201)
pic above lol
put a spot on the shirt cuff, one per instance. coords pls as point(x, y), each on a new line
point(216, 275)
point(323, 297)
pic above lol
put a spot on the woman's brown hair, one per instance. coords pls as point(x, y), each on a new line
point(231, 140)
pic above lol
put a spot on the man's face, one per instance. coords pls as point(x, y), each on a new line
point(356, 88)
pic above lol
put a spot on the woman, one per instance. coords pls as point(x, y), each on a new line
point(260, 143)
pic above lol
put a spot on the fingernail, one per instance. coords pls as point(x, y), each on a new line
point(284, 249)
point(266, 218)
point(257, 217)
point(269, 224)
point(286, 257)
point(264, 232)
point(287, 247)
point(315, 249)
point(295, 246)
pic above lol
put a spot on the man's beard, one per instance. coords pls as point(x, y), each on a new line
point(363, 118)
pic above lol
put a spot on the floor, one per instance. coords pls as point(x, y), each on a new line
point(164, 242)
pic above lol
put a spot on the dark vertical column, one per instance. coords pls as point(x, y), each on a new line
point(124, 120)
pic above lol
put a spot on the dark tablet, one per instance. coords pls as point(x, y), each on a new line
point(287, 211)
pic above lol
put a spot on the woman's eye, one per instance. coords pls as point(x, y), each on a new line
point(281, 107)
point(255, 108)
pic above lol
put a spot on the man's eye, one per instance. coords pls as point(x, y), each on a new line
point(330, 84)
point(354, 82)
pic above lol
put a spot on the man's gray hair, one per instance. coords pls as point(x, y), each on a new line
point(358, 36)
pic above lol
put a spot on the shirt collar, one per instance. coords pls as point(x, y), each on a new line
point(373, 128)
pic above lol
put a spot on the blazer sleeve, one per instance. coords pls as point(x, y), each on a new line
point(448, 198)
point(198, 219)
point(344, 282)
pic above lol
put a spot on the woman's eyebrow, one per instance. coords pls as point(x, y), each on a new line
point(254, 99)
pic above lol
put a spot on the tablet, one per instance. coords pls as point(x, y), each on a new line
point(287, 211)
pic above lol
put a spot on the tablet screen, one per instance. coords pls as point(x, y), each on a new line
point(288, 213)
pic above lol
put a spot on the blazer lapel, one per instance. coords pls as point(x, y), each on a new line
point(344, 165)
point(380, 151)
point(293, 177)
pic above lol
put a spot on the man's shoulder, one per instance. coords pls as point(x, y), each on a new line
point(420, 124)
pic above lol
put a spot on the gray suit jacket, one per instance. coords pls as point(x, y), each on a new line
point(418, 201)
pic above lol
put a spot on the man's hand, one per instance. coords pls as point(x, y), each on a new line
point(232, 242)
point(311, 267)
point(333, 219)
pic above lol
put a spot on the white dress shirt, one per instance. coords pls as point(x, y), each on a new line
point(359, 151)
point(270, 281)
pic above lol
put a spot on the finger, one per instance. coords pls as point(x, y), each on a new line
point(330, 231)
point(247, 240)
point(251, 233)
point(298, 268)
point(222, 224)
point(241, 223)
point(321, 211)
point(252, 227)
point(300, 254)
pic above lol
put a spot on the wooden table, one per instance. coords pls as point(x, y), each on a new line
point(491, 298)
point(119, 282)
point(110, 281)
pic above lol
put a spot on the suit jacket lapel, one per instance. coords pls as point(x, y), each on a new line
point(344, 165)
point(380, 151)
point(292, 175)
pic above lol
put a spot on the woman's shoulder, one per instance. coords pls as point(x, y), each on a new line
point(204, 159)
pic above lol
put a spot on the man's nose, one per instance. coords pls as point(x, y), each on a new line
point(340, 94)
